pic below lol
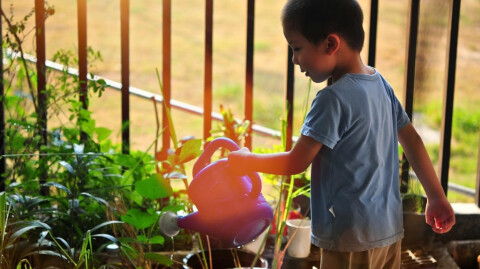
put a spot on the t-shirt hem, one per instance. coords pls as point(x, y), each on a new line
point(361, 246)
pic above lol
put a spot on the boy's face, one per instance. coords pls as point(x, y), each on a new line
point(313, 59)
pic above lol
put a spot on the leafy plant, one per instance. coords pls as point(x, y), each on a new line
point(152, 193)
point(16, 244)
point(231, 128)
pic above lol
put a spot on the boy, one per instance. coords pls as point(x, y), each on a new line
point(350, 137)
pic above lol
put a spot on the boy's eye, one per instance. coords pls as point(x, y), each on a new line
point(295, 48)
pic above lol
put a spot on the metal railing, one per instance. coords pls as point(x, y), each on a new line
point(206, 112)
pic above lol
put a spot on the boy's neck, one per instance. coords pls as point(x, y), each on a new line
point(350, 62)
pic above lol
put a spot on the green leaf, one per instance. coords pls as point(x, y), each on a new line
point(173, 208)
point(102, 133)
point(126, 160)
point(30, 225)
point(158, 258)
point(3, 213)
point(135, 197)
point(108, 237)
point(57, 185)
point(142, 239)
point(157, 239)
point(154, 187)
point(67, 166)
point(88, 126)
point(98, 199)
point(190, 150)
point(139, 219)
point(105, 224)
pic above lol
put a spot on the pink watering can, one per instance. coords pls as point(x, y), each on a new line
point(230, 207)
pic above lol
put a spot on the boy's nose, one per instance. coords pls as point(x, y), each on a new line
point(294, 60)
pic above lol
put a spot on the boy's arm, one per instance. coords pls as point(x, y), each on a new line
point(282, 163)
point(439, 213)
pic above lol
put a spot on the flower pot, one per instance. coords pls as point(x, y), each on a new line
point(225, 258)
point(417, 233)
point(256, 245)
point(299, 231)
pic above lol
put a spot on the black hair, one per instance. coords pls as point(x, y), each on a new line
point(316, 19)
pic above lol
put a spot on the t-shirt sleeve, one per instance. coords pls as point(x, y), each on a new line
point(400, 115)
point(324, 120)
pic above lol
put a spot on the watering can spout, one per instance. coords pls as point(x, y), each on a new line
point(171, 224)
point(231, 208)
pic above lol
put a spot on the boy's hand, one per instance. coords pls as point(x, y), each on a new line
point(439, 214)
point(237, 160)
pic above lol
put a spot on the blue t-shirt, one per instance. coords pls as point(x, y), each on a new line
point(355, 198)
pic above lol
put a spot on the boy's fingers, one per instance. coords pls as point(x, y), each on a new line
point(443, 226)
point(430, 220)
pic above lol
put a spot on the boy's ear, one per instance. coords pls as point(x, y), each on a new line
point(333, 43)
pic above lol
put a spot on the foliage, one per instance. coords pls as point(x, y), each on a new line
point(15, 246)
point(68, 179)
point(151, 195)
point(231, 128)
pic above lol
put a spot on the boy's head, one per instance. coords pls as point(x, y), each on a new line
point(316, 19)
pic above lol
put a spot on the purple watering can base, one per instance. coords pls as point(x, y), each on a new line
point(231, 208)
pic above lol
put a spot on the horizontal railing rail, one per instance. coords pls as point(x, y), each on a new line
point(259, 129)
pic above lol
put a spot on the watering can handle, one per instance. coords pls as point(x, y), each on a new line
point(224, 142)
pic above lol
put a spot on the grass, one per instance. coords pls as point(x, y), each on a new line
point(269, 62)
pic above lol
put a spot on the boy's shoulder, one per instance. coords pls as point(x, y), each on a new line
point(353, 80)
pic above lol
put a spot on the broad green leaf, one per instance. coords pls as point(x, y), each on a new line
point(102, 133)
point(88, 126)
point(158, 258)
point(173, 208)
point(139, 219)
point(126, 160)
point(142, 239)
point(190, 150)
point(157, 239)
point(135, 197)
point(154, 187)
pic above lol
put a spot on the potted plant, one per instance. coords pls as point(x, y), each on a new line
point(417, 233)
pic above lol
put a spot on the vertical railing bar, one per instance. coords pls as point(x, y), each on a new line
point(372, 37)
point(411, 56)
point(449, 93)
point(3, 163)
point(289, 95)
point(166, 72)
point(82, 51)
point(207, 87)
point(412, 35)
point(249, 70)
point(477, 189)
point(41, 85)
point(125, 60)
